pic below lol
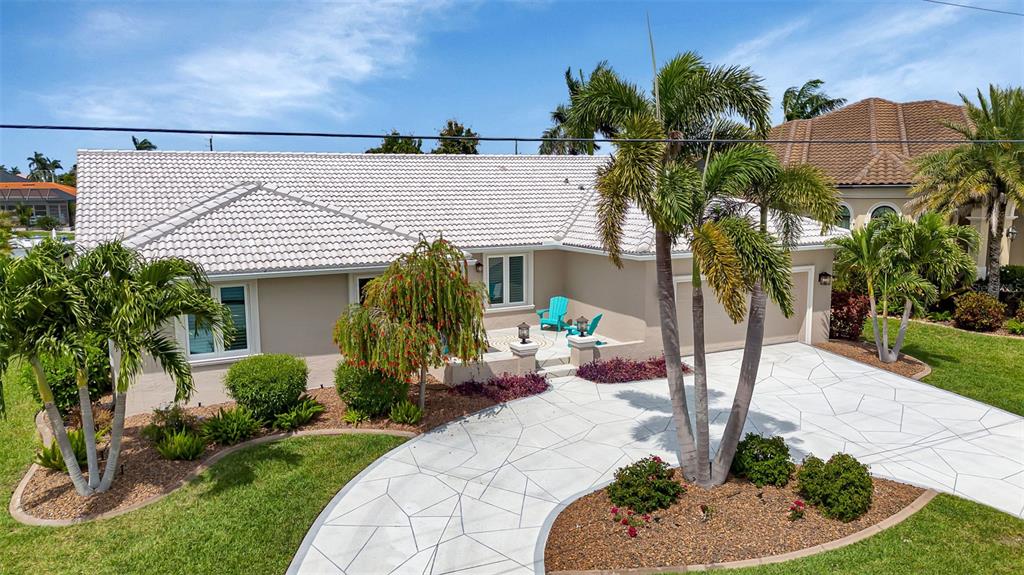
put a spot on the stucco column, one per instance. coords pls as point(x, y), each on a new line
point(582, 349)
point(526, 356)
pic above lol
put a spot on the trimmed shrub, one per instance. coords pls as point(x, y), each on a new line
point(60, 375)
point(372, 393)
point(645, 486)
point(406, 412)
point(763, 460)
point(267, 384)
point(230, 426)
point(620, 370)
point(977, 311)
point(504, 387)
point(848, 313)
point(169, 420)
point(304, 411)
point(841, 487)
point(182, 446)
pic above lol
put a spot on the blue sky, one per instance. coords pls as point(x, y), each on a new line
point(497, 67)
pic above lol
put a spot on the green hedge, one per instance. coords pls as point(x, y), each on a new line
point(369, 392)
point(267, 384)
point(60, 374)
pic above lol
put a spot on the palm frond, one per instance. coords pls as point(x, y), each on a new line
point(716, 257)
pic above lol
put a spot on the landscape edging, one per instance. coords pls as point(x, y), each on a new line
point(17, 512)
point(886, 523)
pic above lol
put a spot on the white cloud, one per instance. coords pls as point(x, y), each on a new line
point(903, 53)
point(313, 58)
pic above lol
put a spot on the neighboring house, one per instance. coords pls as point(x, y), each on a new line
point(45, 198)
point(290, 239)
point(875, 178)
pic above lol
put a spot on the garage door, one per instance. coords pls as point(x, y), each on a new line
point(721, 333)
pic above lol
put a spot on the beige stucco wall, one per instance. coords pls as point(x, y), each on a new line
point(297, 314)
point(862, 200)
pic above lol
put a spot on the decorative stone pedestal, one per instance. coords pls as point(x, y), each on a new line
point(582, 349)
point(526, 356)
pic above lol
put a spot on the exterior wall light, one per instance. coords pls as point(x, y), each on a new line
point(825, 278)
point(1011, 233)
point(479, 267)
point(524, 333)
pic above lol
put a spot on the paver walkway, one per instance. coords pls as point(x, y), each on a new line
point(478, 495)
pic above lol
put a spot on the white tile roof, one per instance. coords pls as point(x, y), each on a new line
point(252, 212)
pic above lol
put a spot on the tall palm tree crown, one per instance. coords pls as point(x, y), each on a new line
point(971, 175)
point(808, 101)
point(560, 122)
point(143, 144)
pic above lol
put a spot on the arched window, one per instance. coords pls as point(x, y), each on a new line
point(844, 218)
point(882, 210)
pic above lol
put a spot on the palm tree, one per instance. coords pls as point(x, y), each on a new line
point(143, 144)
point(41, 168)
point(808, 101)
point(560, 126)
point(132, 300)
point(784, 196)
point(898, 259)
point(685, 189)
point(987, 175)
point(42, 311)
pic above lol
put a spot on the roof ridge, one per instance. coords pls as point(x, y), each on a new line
point(901, 121)
point(460, 157)
point(166, 223)
point(345, 212)
point(574, 215)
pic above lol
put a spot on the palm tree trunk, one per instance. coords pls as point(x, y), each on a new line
point(744, 386)
point(700, 382)
point(908, 306)
point(997, 210)
point(114, 449)
point(423, 388)
point(60, 434)
point(874, 322)
point(673, 361)
point(88, 427)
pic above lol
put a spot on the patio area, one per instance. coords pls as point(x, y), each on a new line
point(554, 345)
point(478, 496)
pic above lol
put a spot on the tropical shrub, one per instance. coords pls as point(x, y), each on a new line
point(645, 486)
point(848, 313)
point(504, 387)
point(302, 413)
point(940, 316)
point(406, 412)
point(51, 457)
point(61, 375)
point(1015, 326)
point(267, 384)
point(169, 420)
point(230, 426)
point(181, 446)
point(620, 370)
point(47, 222)
point(841, 487)
point(976, 311)
point(370, 392)
point(763, 460)
point(1020, 313)
point(354, 416)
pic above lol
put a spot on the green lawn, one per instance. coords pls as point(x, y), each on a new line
point(246, 515)
point(983, 367)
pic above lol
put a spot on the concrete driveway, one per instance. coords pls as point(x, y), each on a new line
point(478, 495)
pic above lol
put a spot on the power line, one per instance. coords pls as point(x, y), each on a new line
point(983, 9)
point(515, 139)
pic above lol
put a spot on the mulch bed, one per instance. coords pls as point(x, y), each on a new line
point(865, 352)
point(745, 522)
point(144, 474)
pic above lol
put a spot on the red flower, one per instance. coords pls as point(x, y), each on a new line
point(624, 521)
point(647, 517)
point(657, 459)
point(615, 510)
point(631, 531)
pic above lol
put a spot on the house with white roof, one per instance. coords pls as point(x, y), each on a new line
point(290, 239)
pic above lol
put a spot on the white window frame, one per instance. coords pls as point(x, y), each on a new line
point(252, 322)
point(527, 279)
point(871, 212)
point(853, 216)
point(353, 285)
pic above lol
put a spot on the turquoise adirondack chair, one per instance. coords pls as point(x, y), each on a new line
point(591, 327)
point(555, 312)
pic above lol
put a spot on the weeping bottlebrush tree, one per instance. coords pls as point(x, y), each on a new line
point(420, 313)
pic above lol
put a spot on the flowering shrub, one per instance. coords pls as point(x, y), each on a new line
point(763, 460)
point(619, 370)
point(796, 510)
point(848, 313)
point(841, 487)
point(1020, 312)
point(505, 387)
point(645, 486)
point(630, 520)
point(978, 311)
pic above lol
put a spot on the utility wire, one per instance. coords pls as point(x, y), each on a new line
point(983, 9)
point(494, 138)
